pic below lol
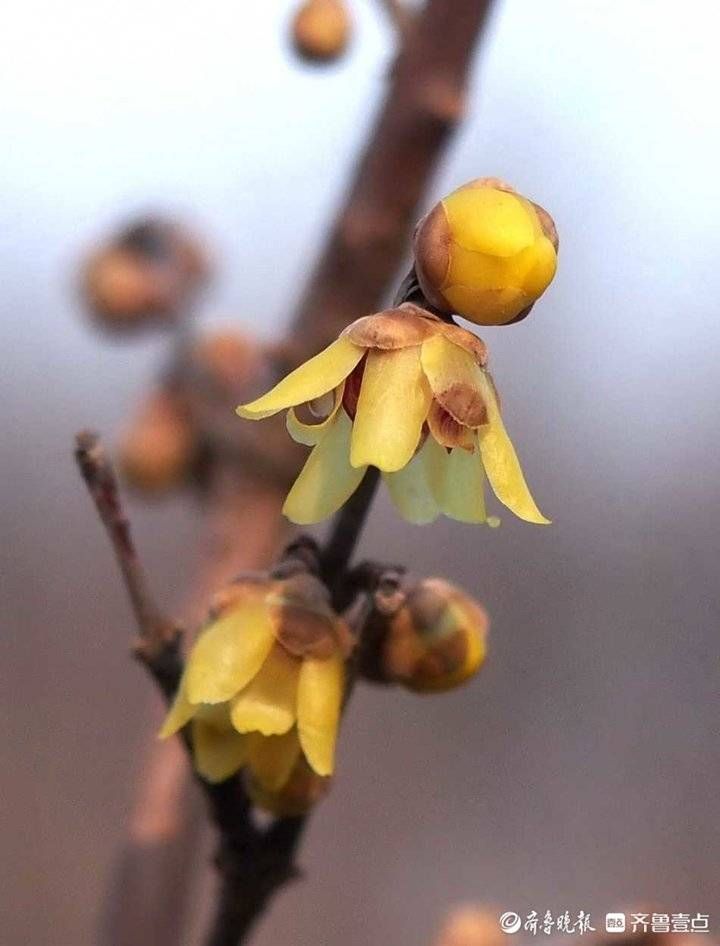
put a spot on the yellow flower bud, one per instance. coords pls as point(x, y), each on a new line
point(485, 253)
point(157, 450)
point(436, 640)
point(321, 30)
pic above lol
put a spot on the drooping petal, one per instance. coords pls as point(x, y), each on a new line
point(229, 653)
point(180, 713)
point(462, 495)
point(410, 491)
point(501, 462)
point(217, 753)
point(312, 434)
point(268, 703)
point(312, 379)
point(392, 407)
point(454, 376)
point(320, 694)
point(327, 480)
point(272, 758)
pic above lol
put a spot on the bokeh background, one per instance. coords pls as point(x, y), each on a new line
point(580, 770)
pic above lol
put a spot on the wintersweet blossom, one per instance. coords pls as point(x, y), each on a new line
point(264, 682)
point(410, 394)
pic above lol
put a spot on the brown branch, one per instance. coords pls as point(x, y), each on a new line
point(399, 15)
point(369, 238)
point(158, 861)
point(253, 861)
point(158, 643)
point(360, 260)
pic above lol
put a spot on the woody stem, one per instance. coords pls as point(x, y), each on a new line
point(347, 526)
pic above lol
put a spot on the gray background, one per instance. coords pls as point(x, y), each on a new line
point(580, 770)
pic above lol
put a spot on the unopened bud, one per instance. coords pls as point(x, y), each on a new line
point(321, 30)
point(157, 449)
point(231, 360)
point(145, 274)
point(436, 640)
point(486, 253)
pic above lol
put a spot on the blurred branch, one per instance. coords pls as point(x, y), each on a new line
point(152, 867)
point(253, 861)
point(369, 238)
point(399, 15)
point(361, 257)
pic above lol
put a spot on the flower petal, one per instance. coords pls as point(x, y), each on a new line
point(464, 339)
point(501, 462)
point(446, 430)
point(312, 434)
point(312, 379)
point(229, 653)
point(455, 379)
point(462, 495)
point(217, 753)
point(394, 328)
point(320, 694)
point(268, 703)
point(271, 759)
point(327, 480)
point(392, 407)
point(180, 713)
point(410, 491)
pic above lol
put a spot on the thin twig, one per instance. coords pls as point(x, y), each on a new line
point(159, 637)
point(253, 861)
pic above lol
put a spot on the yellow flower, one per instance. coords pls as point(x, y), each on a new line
point(264, 682)
point(436, 640)
point(486, 253)
point(407, 393)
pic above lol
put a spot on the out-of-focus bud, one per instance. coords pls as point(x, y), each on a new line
point(485, 253)
point(471, 926)
point(145, 274)
point(158, 448)
point(436, 640)
point(302, 791)
point(231, 360)
point(321, 30)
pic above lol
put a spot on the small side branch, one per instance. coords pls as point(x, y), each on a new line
point(253, 862)
point(158, 641)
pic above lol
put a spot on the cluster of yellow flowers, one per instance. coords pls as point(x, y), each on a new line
point(265, 681)
point(407, 390)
